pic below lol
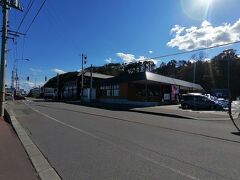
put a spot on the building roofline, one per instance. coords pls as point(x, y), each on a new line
point(95, 75)
point(154, 78)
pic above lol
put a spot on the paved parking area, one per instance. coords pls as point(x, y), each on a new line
point(192, 114)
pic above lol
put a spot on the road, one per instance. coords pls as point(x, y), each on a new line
point(92, 143)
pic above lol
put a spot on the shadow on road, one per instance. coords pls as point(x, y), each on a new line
point(112, 107)
point(106, 106)
point(236, 133)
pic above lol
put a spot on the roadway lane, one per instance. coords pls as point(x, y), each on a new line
point(91, 143)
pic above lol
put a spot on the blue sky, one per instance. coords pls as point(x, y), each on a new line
point(114, 30)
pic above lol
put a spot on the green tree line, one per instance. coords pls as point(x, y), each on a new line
point(220, 72)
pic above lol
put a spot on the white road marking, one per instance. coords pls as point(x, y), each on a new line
point(113, 144)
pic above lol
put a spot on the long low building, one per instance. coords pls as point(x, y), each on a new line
point(132, 88)
point(143, 88)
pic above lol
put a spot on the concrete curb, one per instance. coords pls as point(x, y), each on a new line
point(40, 163)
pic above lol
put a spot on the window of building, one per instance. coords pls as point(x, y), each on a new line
point(153, 91)
point(110, 90)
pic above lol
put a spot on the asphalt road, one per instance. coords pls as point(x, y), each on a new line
point(91, 143)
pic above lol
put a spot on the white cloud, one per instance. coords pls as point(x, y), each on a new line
point(192, 61)
point(109, 60)
point(177, 29)
point(207, 60)
point(27, 85)
point(206, 24)
point(204, 60)
point(150, 52)
point(129, 58)
point(58, 71)
point(204, 36)
point(35, 70)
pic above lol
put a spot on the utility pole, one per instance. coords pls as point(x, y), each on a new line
point(17, 81)
point(3, 55)
point(58, 93)
point(12, 83)
point(15, 68)
point(82, 79)
point(84, 61)
point(35, 82)
point(229, 79)
point(6, 4)
point(91, 82)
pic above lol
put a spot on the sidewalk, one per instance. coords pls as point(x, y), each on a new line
point(14, 162)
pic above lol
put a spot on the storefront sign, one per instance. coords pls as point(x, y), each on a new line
point(174, 92)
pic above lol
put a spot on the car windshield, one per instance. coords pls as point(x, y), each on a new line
point(120, 89)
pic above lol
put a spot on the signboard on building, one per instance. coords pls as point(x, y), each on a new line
point(175, 92)
point(166, 97)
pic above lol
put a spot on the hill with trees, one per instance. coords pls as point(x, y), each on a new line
point(217, 73)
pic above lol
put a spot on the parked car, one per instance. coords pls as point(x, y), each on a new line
point(223, 103)
point(48, 95)
point(8, 96)
point(19, 97)
point(199, 101)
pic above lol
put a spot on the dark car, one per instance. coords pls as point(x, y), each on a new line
point(19, 97)
point(198, 101)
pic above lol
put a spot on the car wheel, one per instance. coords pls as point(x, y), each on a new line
point(212, 108)
point(219, 108)
point(185, 106)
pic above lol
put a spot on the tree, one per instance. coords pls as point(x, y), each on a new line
point(139, 66)
point(211, 74)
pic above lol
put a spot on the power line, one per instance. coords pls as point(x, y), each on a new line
point(58, 21)
point(23, 48)
point(35, 16)
point(29, 6)
point(187, 52)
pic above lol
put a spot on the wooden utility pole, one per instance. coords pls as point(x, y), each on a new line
point(91, 82)
point(5, 8)
point(58, 89)
point(84, 61)
point(82, 78)
point(6, 5)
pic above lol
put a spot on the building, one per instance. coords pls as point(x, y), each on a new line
point(70, 85)
point(123, 89)
point(90, 88)
point(132, 88)
point(35, 92)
